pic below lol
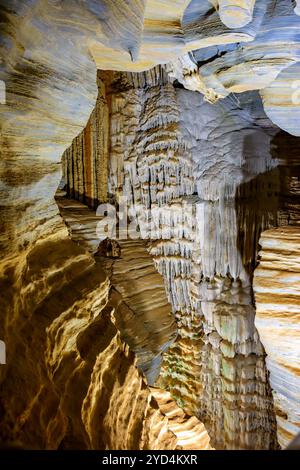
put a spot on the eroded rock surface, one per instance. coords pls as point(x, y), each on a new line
point(191, 183)
point(170, 112)
point(79, 381)
point(277, 319)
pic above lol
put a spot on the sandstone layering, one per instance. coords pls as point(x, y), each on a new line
point(179, 326)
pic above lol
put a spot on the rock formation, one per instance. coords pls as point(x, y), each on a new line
point(276, 285)
point(277, 319)
point(159, 158)
point(150, 224)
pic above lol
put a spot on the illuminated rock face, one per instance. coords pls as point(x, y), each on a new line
point(216, 368)
point(38, 36)
point(234, 13)
point(277, 291)
point(149, 343)
point(147, 327)
point(256, 56)
point(205, 228)
point(191, 183)
point(70, 380)
point(276, 286)
point(282, 99)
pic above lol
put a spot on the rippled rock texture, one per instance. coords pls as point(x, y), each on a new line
point(277, 319)
point(50, 51)
point(70, 380)
point(194, 185)
point(182, 116)
point(276, 285)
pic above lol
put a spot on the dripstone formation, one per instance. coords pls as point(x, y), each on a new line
point(150, 212)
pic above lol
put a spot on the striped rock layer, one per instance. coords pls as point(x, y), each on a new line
point(182, 115)
point(192, 186)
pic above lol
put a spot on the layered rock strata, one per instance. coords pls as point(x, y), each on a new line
point(50, 53)
point(191, 185)
point(142, 313)
point(192, 174)
point(210, 282)
point(277, 294)
point(81, 387)
point(276, 286)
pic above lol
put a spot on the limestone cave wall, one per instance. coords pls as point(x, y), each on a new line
point(177, 325)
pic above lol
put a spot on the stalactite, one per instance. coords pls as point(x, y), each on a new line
point(204, 244)
point(148, 338)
